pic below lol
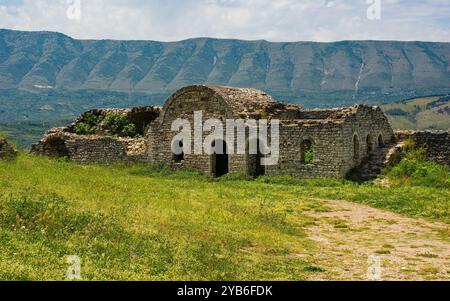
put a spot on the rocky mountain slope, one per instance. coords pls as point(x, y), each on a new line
point(46, 79)
point(312, 74)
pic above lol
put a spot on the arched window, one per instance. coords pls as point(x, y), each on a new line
point(356, 147)
point(307, 152)
point(369, 142)
point(179, 158)
point(380, 141)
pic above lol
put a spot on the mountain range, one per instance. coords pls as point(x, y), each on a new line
point(302, 72)
point(48, 78)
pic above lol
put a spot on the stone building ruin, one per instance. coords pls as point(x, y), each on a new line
point(340, 138)
point(99, 147)
point(326, 143)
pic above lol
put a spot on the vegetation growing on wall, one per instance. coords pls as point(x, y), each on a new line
point(119, 125)
point(309, 156)
point(115, 124)
point(416, 169)
point(89, 124)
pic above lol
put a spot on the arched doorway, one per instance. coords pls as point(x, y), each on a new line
point(355, 147)
point(369, 143)
point(219, 160)
point(254, 167)
point(380, 141)
point(179, 157)
point(56, 147)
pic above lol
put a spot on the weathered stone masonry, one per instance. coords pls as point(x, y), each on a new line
point(436, 143)
point(98, 148)
point(341, 139)
point(7, 151)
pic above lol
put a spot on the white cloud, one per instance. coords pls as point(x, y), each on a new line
point(281, 20)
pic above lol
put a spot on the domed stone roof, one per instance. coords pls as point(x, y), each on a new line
point(243, 102)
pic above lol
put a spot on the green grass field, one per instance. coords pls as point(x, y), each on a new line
point(142, 223)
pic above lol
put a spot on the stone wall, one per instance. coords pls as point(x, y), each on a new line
point(436, 143)
point(90, 149)
point(365, 130)
point(333, 141)
point(331, 133)
point(141, 117)
point(7, 151)
point(101, 147)
point(340, 138)
point(160, 135)
point(326, 139)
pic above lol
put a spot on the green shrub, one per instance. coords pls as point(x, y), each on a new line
point(82, 128)
point(415, 168)
point(119, 125)
point(115, 123)
point(89, 124)
point(309, 156)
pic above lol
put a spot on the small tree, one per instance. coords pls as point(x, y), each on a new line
point(89, 124)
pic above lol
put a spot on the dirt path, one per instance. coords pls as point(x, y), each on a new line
point(355, 239)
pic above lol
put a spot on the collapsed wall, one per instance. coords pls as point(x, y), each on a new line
point(100, 146)
point(436, 143)
point(141, 117)
point(7, 151)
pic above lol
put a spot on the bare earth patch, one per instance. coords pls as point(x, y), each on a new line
point(407, 248)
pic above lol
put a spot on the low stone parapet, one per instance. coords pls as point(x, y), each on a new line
point(92, 149)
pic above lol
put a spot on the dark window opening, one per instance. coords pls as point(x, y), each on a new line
point(355, 147)
point(369, 144)
point(307, 152)
point(220, 159)
point(56, 147)
point(380, 141)
point(254, 166)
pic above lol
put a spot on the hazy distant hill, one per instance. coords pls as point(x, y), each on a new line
point(313, 74)
point(420, 114)
point(46, 79)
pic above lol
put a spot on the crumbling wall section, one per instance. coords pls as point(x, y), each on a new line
point(92, 149)
point(436, 143)
point(7, 151)
point(141, 117)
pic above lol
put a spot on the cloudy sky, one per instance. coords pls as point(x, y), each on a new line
point(273, 20)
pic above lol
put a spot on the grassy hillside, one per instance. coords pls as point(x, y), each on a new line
point(147, 223)
point(420, 114)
